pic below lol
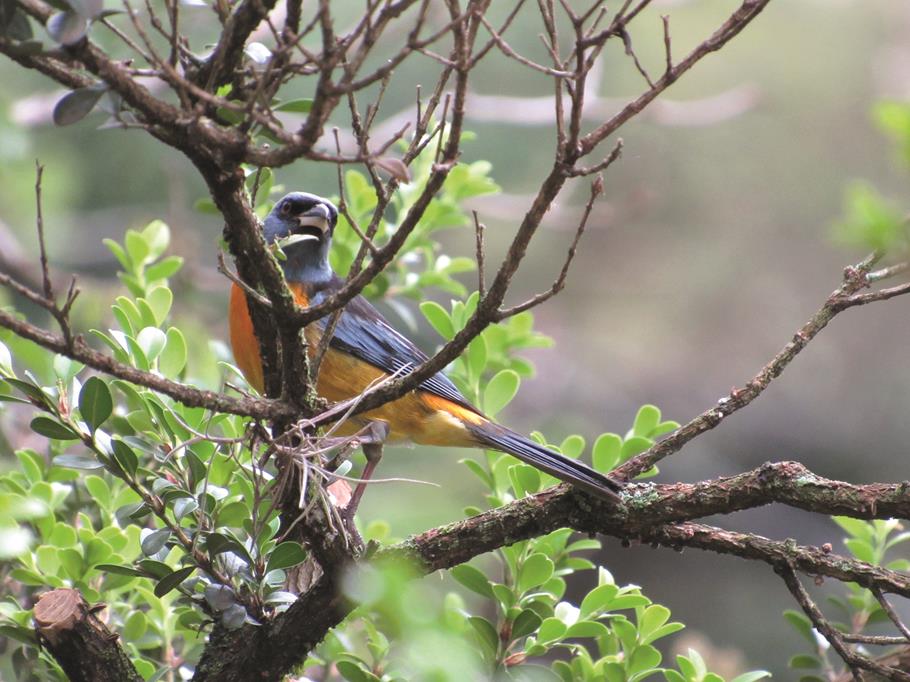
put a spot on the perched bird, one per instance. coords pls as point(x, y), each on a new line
point(365, 348)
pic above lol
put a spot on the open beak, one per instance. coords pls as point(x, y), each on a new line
point(313, 224)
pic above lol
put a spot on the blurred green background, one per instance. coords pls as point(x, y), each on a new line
point(710, 248)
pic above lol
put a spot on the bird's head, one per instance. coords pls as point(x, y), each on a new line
point(303, 224)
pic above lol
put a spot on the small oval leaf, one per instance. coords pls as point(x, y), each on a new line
point(76, 105)
point(95, 402)
point(68, 28)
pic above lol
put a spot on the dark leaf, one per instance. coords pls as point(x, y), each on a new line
point(95, 402)
point(67, 28)
point(155, 541)
point(13, 22)
point(20, 634)
point(525, 623)
point(120, 570)
point(51, 428)
point(77, 462)
point(233, 617)
point(219, 597)
point(285, 555)
point(131, 512)
point(169, 582)
point(125, 456)
point(31, 390)
point(88, 9)
point(76, 105)
point(156, 569)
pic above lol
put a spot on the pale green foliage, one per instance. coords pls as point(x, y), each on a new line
point(871, 221)
point(858, 610)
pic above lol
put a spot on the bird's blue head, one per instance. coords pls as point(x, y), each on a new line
point(309, 220)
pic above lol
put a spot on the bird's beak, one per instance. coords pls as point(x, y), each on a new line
point(318, 218)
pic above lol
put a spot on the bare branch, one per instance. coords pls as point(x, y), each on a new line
point(841, 299)
point(597, 188)
point(855, 661)
point(479, 253)
point(892, 614)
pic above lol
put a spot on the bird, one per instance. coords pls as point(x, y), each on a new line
point(365, 348)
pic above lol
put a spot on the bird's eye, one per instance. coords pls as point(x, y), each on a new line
point(286, 208)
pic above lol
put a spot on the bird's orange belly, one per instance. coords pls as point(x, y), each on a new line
point(419, 416)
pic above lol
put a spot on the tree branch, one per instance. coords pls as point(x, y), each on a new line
point(83, 646)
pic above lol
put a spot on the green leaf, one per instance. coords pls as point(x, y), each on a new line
point(473, 579)
point(477, 357)
point(77, 462)
point(662, 631)
point(51, 428)
point(160, 300)
point(297, 106)
point(184, 506)
point(652, 618)
point(587, 628)
point(801, 623)
point(95, 402)
point(525, 479)
point(285, 555)
point(525, 623)
point(71, 563)
point(136, 247)
point(169, 582)
point(598, 599)
point(572, 446)
point(500, 391)
point(151, 340)
point(354, 673)
point(752, 676)
point(856, 527)
point(119, 253)
point(157, 236)
point(437, 316)
point(644, 658)
point(535, 570)
point(804, 661)
point(551, 630)
point(125, 457)
point(634, 446)
point(646, 420)
point(164, 268)
point(20, 634)
point(606, 451)
point(870, 221)
point(120, 570)
point(135, 626)
point(486, 633)
point(155, 541)
point(173, 358)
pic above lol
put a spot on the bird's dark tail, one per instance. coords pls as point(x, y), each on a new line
point(564, 468)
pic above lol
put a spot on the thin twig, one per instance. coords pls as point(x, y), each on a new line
point(841, 299)
point(854, 661)
point(39, 224)
point(247, 289)
point(597, 188)
point(892, 614)
point(479, 229)
point(668, 45)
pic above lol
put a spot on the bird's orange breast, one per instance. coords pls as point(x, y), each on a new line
point(419, 416)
